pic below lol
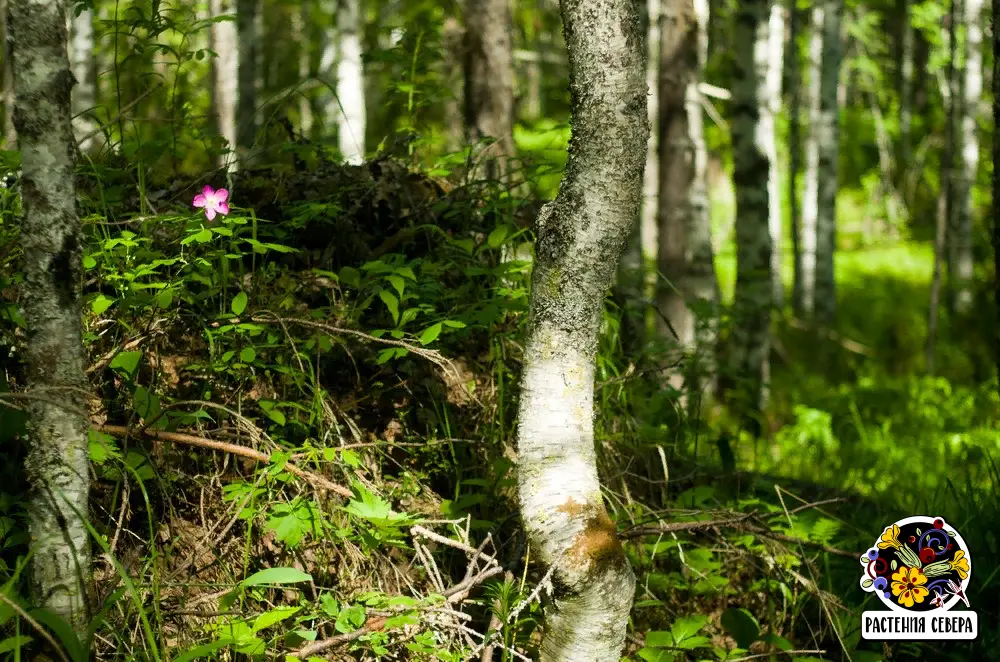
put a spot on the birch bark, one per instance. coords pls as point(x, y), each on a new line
point(351, 83)
point(57, 462)
point(581, 236)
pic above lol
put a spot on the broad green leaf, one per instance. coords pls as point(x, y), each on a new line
point(272, 617)
point(741, 625)
point(350, 276)
point(146, 404)
point(203, 651)
point(687, 626)
point(276, 576)
point(248, 354)
point(89, 262)
point(164, 299)
point(656, 655)
point(455, 324)
point(397, 282)
point(430, 334)
point(100, 303)
point(127, 361)
point(777, 641)
point(659, 639)
point(350, 619)
point(391, 302)
point(496, 238)
point(239, 303)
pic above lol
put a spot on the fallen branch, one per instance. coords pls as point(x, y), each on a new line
point(456, 593)
point(315, 480)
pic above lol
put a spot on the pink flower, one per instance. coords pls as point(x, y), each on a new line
point(213, 201)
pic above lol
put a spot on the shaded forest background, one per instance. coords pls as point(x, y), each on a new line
point(303, 412)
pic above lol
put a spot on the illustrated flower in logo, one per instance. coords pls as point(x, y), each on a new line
point(917, 564)
point(908, 586)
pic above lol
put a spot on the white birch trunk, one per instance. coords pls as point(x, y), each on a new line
point(828, 136)
point(648, 232)
point(771, 40)
point(84, 71)
point(225, 78)
point(794, 150)
point(968, 140)
point(300, 23)
point(350, 84)
point(753, 299)
point(57, 464)
point(581, 235)
point(810, 197)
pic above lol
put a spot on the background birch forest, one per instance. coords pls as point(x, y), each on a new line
point(288, 424)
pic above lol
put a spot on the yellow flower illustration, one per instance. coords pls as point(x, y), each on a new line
point(961, 564)
point(908, 586)
point(890, 538)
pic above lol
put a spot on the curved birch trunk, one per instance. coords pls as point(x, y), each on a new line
point(581, 236)
point(57, 461)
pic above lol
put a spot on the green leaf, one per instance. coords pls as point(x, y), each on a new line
point(350, 276)
point(248, 354)
point(455, 324)
point(164, 298)
point(100, 303)
point(126, 361)
point(656, 655)
point(146, 404)
point(397, 282)
point(239, 303)
point(777, 641)
point(89, 262)
point(741, 625)
point(687, 626)
point(272, 617)
point(350, 619)
point(202, 237)
point(272, 412)
point(497, 237)
point(391, 302)
point(430, 334)
point(276, 576)
point(659, 639)
point(203, 651)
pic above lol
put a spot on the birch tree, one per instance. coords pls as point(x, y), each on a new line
point(225, 81)
point(489, 82)
point(810, 198)
point(754, 293)
point(57, 463)
point(85, 73)
point(350, 83)
point(770, 43)
point(794, 81)
point(685, 245)
point(828, 139)
point(962, 262)
point(581, 236)
point(905, 84)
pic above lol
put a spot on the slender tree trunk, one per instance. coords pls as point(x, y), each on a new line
point(810, 198)
point(754, 295)
point(225, 78)
point(996, 179)
point(956, 92)
point(581, 235)
point(327, 74)
point(829, 143)
point(969, 144)
point(247, 14)
point(57, 463)
point(905, 89)
point(453, 36)
point(489, 83)
point(685, 245)
point(300, 28)
point(85, 73)
point(351, 83)
point(651, 176)
point(794, 150)
point(771, 40)
point(6, 81)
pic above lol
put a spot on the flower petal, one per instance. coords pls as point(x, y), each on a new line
point(208, 191)
point(222, 195)
point(222, 208)
point(209, 213)
point(199, 200)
